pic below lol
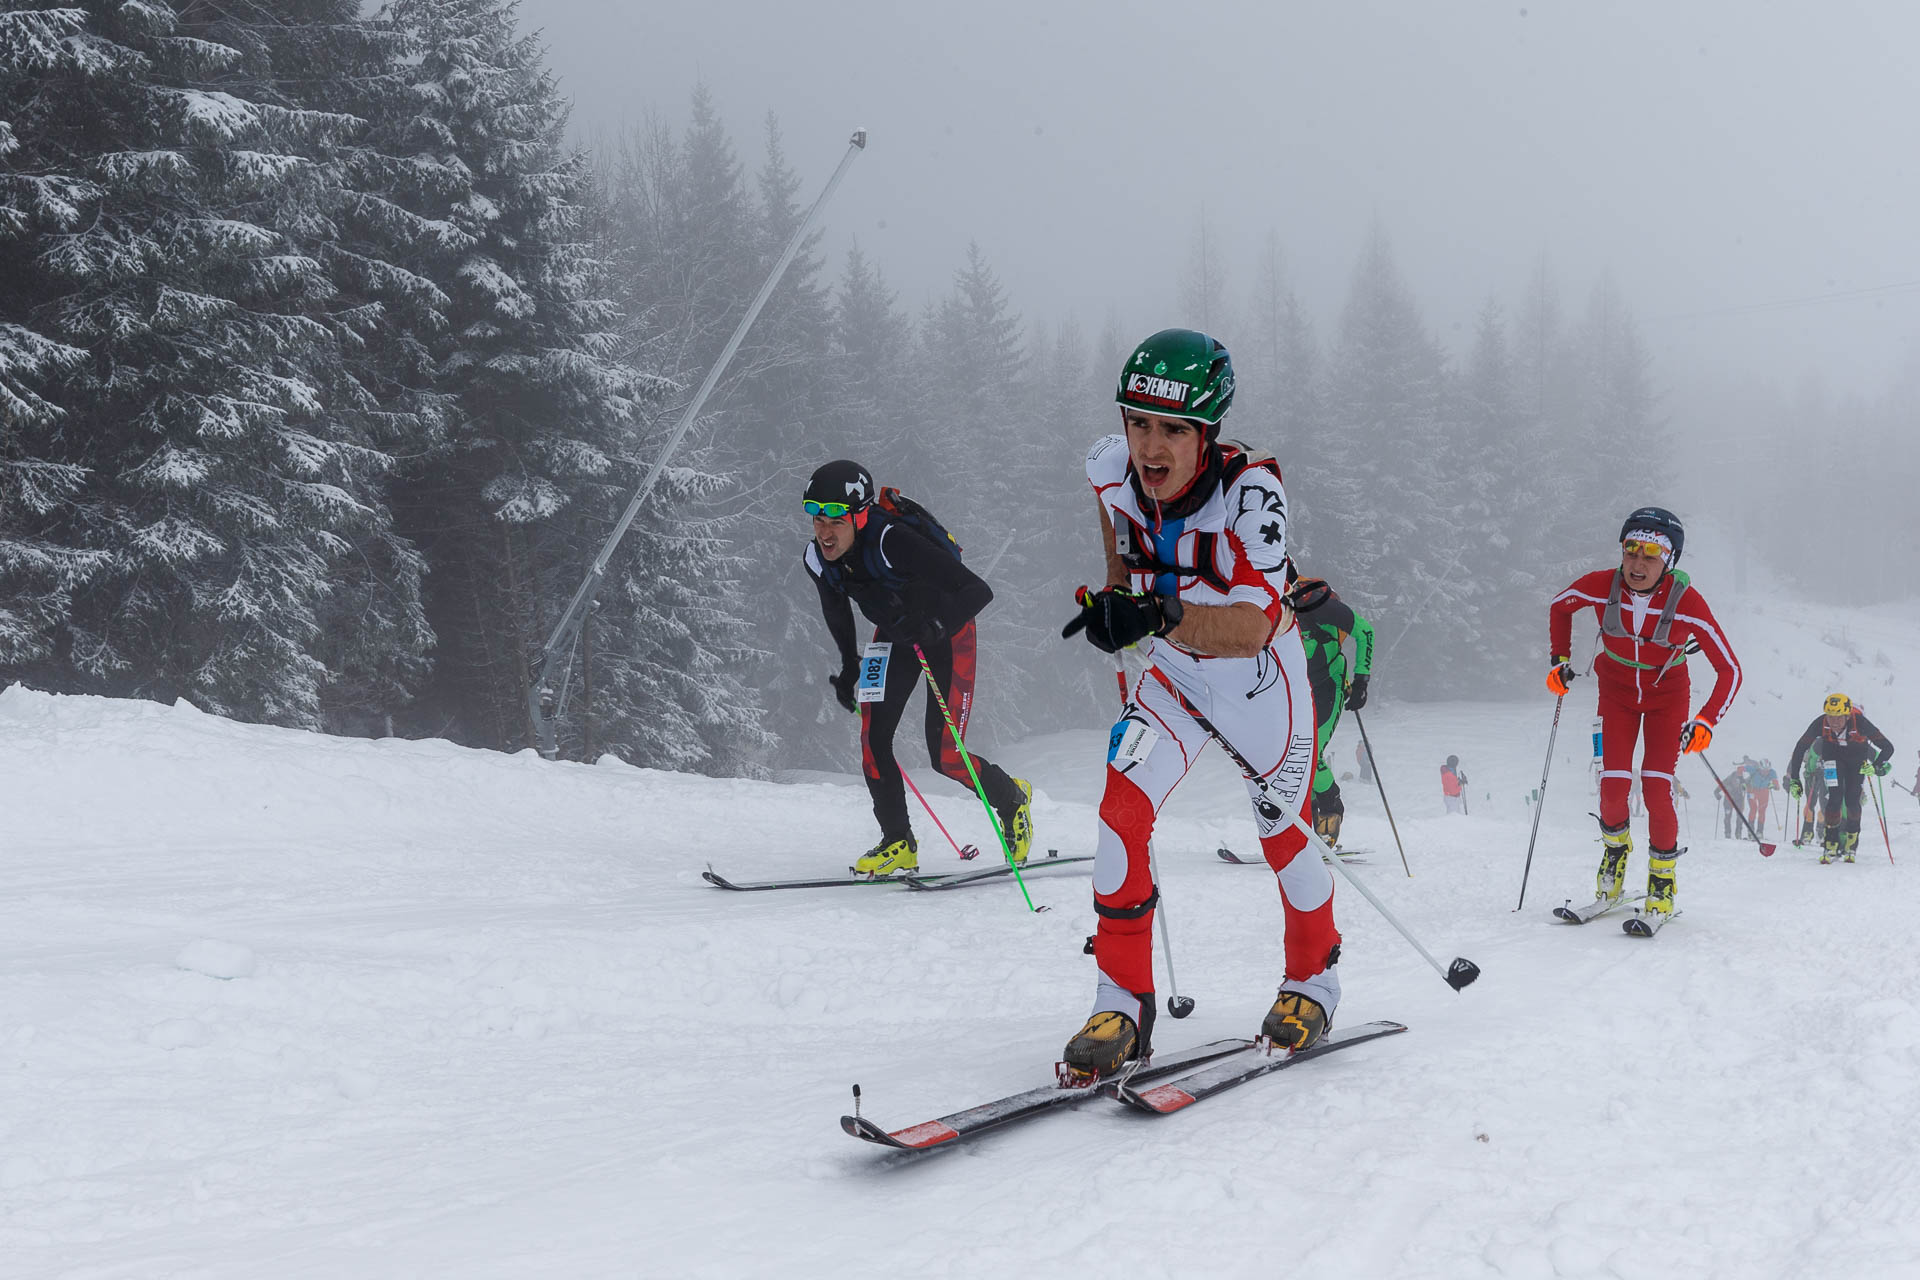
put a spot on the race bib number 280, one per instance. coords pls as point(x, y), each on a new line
point(873, 672)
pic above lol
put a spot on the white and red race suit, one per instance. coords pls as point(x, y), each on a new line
point(1642, 673)
point(1227, 546)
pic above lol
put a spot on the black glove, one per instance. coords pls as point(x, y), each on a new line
point(1115, 618)
point(1357, 693)
point(843, 687)
point(1883, 767)
point(909, 630)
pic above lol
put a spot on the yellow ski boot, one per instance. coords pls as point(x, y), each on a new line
point(1294, 1022)
point(1660, 879)
point(1098, 1050)
point(889, 857)
point(1327, 827)
point(1018, 825)
point(1616, 844)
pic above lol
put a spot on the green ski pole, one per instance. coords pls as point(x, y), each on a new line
point(1006, 850)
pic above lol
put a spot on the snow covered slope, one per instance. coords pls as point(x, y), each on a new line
point(280, 1005)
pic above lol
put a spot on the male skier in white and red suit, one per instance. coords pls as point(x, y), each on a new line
point(1195, 534)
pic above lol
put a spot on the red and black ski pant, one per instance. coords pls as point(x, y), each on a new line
point(952, 663)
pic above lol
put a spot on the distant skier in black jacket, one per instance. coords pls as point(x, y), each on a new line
point(915, 592)
point(1851, 743)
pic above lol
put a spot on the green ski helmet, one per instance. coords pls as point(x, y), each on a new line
point(1181, 373)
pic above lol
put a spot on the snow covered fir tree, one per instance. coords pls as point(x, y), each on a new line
point(329, 362)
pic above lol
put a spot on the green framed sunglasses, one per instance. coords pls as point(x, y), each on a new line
point(831, 510)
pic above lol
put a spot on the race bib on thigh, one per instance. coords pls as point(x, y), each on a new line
point(1130, 742)
point(873, 672)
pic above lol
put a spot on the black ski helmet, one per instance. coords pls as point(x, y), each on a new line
point(841, 481)
point(1657, 520)
point(1453, 762)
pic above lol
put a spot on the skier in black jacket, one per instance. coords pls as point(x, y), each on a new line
point(1854, 747)
point(887, 557)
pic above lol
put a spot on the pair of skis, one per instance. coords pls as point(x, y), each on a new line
point(1641, 924)
point(943, 880)
point(1345, 855)
point(1169, 1082)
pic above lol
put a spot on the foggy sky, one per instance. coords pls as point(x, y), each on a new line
point(1710, 155)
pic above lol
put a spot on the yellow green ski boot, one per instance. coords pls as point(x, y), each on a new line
point(1660, 879)
point(1616, 844)
point(1018, 825)
point(1849, 846)
point(889, 857)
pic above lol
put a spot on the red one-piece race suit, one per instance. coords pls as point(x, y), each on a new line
point(1635, 695)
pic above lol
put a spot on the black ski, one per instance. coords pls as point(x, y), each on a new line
point(957, 879)
point(719, 881)
point(1644, 924)
point(1593, 910)
point(1248, 1064)
point(1020, 1106)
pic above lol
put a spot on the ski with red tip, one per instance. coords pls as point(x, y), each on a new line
point(1345, 855)
point(1248, 1064)
point(961, 1125)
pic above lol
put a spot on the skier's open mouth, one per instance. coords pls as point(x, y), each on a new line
point(1153, 477)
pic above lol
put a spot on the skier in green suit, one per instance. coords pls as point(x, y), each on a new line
point(1325, 623)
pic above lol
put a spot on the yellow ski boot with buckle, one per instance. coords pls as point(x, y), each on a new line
point(1018, 825)
point(1616, 844)
point(889, 857)
point(1660, 879)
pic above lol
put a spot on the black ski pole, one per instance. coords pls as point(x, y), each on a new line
point(1374, 761)
point(1766, 849)
point(1541, 803)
